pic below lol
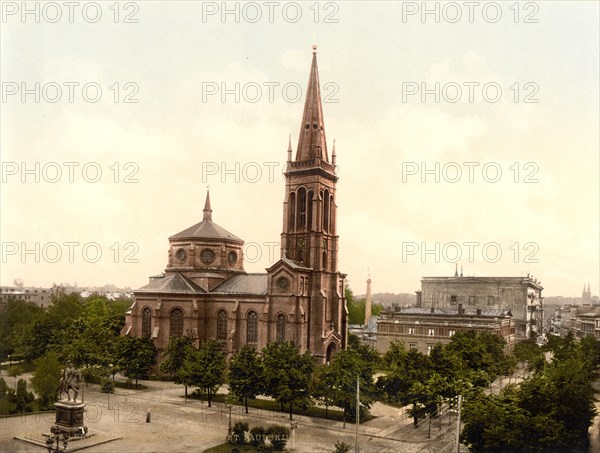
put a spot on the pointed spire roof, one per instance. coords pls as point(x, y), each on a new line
point(207, 210)
point(311, 142)
point(455, 270)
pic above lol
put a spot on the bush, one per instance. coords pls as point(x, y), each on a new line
point(341, 447)
point(262, 448)
point(238, 436)
point(278, 436)
point(108, 386)
point(257, 436)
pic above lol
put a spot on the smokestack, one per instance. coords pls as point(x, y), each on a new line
point(368, 302)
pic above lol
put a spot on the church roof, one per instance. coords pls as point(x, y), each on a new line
point(206, 229)
point(173, 282)
point(243, 284)
point(291, 263)
point(294, 264)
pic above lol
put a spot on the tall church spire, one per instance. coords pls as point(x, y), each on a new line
point(311, 142)
point(207, 210)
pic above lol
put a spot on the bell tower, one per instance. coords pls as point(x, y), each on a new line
point(309, 220)
point(309, 235)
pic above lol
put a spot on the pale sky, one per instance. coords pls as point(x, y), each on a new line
point(375, 59)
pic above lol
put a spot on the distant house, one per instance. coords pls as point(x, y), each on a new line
point(38, 296)
point(582, 321)
point(422, 328)
point(367, 333)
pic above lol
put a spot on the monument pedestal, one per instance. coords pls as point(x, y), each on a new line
point(69, 419)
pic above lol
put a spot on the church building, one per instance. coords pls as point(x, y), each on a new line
point(205, 292)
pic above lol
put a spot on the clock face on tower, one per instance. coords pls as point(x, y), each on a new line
point(300, 242)
point(207, 256)
point(180, 256)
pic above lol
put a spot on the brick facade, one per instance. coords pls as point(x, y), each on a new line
point(205, 292)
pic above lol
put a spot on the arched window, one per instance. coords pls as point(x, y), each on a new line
point(325, 260)
point(280, 328)
point(292, 212)
point(252, 327)
point(330, 352)
point(331, 214)
point(146, 322)
point(326, 211)
point(309, 210)
point(176, 323)
point(222, 325)
point(301, 217)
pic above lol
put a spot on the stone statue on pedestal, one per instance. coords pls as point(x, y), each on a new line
point(69, 412)
point(70, 380)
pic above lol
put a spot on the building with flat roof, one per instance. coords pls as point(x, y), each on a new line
point(422, 328)
point(38, 296)
point(522, 296)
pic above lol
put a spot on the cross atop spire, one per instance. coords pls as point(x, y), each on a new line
point(207, 210)
point(312, 143)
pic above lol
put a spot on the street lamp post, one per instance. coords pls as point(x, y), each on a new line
point(356, 446)
point(229, 430)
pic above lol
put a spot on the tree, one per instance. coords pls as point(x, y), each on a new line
point(23, 398)
point(428, 396)
point(480, 351)
point(320, 388)
point(551, 411)
point(288, 374)
point(340, 378)
point(135, 356)
point(205, 368)
point(174, 358)
point(404, 372)
point(46, 379)
point(565, 393)
point(395, 355)
point(246, 374)
point(7, 397)
point(16, 320)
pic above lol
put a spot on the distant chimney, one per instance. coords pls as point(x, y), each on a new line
point(460, 309)
point(368, 302)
